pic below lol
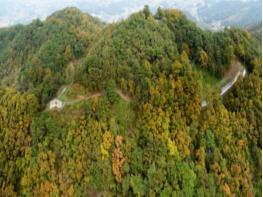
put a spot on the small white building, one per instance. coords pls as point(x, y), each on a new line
point(56, 103)
point(203, 103)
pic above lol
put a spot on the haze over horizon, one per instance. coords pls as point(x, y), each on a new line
point(22, 12)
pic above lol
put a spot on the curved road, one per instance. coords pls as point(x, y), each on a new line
point(230, 84)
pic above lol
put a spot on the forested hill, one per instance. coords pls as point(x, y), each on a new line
point(160, 40)
point(42, 56)
point(35, 56)
point(256, 31)
point(137, 128)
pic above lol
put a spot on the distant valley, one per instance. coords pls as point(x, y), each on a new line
point(212, 14)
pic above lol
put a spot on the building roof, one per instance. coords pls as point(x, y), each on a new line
point(56, 100)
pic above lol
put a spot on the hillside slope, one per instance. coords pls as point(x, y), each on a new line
point(35, 55)
point(256, 31)
point(160, 40)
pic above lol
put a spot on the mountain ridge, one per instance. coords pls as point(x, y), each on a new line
point(82, 38)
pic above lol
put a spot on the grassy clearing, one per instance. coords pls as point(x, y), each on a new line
point(71, 112)
point(78, 103)
point(123, 113)
point(208, 81)
point(72, 92)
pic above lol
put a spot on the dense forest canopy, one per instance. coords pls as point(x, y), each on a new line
point(34, 56)
point(256, 31)
point(133, 124)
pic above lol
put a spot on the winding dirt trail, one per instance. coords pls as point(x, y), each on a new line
point(123, 96)
point(82, 98)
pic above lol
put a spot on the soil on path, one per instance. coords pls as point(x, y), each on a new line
point(123, 96)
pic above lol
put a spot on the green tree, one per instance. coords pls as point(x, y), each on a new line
point(159, 14)
point(111, 91)
point(146, 11)
point(68, 53)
